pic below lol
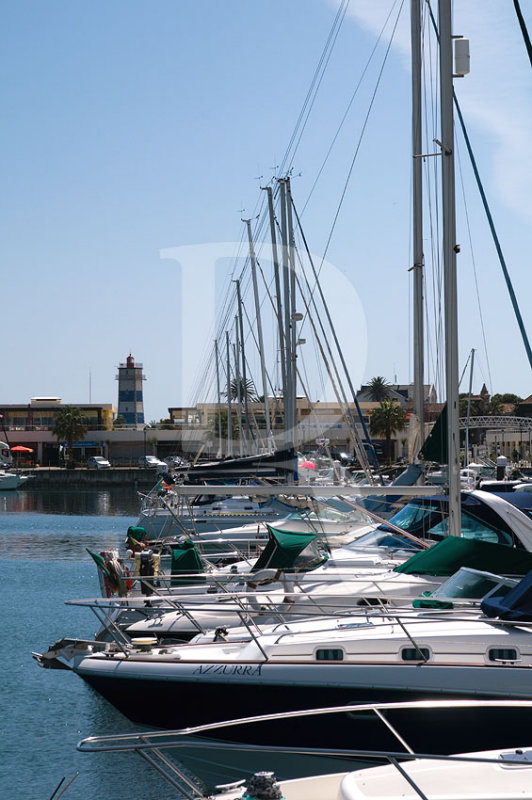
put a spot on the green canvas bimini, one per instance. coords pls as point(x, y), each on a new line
point(446, 557)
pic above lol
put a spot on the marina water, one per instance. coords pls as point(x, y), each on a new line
point(43, 563)
point(44, 537)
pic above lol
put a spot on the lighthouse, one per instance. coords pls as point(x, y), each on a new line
point(130, 400)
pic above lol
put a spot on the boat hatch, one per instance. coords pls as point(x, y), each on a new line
point(507, 759)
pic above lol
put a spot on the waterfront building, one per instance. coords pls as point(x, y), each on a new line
point(32, 424)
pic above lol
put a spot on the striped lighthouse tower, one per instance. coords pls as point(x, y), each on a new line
point(130, 400)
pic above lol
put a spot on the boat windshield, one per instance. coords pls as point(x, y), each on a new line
point(430, 520)
point(311, 557)
point(473, 583)
point(328, 514)
point(385, 538)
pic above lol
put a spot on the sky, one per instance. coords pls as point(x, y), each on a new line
point(136, 135)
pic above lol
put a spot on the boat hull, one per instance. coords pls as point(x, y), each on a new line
point(182, 695)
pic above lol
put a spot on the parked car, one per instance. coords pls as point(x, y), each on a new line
point(174, 461)
point(98, 462)
point(151, 462)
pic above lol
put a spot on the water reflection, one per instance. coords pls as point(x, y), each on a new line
point(49, 525)
point(103, 502)
point(58, 537)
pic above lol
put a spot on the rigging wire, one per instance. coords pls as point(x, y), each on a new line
point(359, 143)
point(313, 88)
point(347, 110)
point(432, 194)
point(304, 125)
point(487, 210)
point(473, 261)
point(362, 456)
point(524, 31)
point(229, 302)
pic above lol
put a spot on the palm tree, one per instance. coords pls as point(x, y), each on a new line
point(379, 389)
point(246, 389)
point(386, 421)
point(69, 428)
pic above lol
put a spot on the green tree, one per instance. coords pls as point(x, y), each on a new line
point(478, 406)
point(507, 397)
point(213, 425)
point(386, 421)
point(119, 422)
point(379, 389)
point(247, 389)
point(69, 428)
point(494, 406)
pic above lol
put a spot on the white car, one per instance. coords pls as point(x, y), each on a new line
point(98, 462)
point(151, 462)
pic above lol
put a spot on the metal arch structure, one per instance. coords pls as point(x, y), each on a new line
point(500, 422)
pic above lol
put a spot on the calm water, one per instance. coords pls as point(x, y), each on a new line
point(43, 562)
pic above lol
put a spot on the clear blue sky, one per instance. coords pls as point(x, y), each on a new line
point(132, 127)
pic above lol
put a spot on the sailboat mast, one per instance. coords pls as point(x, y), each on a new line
point(278, 296)
point(236, 358)
point(241, 349)
point(229, 407)
point(288, 388)
point(466, 461)
point(218, 397)
point(417, 221)
point(253, 261)
point(450, 249)
point(294, 317)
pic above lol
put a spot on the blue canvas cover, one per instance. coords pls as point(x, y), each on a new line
point(516, 605)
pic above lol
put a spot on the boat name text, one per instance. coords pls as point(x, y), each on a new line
point(228, 669)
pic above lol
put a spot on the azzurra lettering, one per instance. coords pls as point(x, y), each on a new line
point(228, 669)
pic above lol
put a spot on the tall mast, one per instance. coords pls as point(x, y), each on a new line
point(229, 407)
point(294, 317)
point(287, 399)
point(241, 349)
point(236, 356)
point(466, 460)
point(450, 248)
point(259, 331)
point(278, 295)
point(417, 221)
point(218, 399)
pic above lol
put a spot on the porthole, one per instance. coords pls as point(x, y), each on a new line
point(330, 654)
point(415, 654)
point(502, 654)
